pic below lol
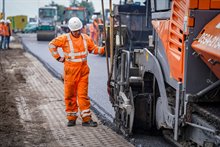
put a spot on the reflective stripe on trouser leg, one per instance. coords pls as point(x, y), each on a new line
point(70, 91)
point(86, 115)
point(71, 115)
point(82, 91)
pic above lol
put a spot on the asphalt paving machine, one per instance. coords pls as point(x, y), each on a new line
point(47, 29)
point(166, 69)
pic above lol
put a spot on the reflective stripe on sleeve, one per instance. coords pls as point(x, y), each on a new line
point(52, 46)
point(54, 53)
point(93, 50)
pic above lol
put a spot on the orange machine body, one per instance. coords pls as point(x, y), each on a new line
point(173, 31)
point(207, 45)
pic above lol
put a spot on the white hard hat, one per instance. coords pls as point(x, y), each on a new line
point(94, 17)
point(2, 20)
point(75, 24)
point(8, 21)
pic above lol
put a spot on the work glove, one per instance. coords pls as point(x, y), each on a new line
point(61, 59)
point(102, 51)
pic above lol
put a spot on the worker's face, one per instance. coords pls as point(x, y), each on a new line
point(76, 33)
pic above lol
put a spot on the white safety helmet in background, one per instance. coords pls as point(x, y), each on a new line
point(94, 17)
point(75, 24)
point(2, 20)
point(8, 21)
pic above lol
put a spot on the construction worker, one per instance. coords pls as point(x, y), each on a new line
point(7, 34)
point(2, 23)
point(75, 46)
point(94, 29)
point(101, 31)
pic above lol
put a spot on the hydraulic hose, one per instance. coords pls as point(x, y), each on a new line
point(105, 34)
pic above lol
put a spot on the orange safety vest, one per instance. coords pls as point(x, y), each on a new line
point(7, 30)
point(1, 29)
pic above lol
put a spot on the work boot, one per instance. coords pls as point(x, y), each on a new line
point(90, 123)
point(71, 123)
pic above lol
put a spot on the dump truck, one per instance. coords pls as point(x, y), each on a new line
point(47, 29)
point(70, 12)
point(166, 70)
point(18, 22)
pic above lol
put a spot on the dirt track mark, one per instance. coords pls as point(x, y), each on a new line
point(15, 93)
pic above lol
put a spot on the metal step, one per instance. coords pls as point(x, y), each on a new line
point(134, 79)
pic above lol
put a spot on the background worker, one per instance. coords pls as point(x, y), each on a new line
point(7, 34)
point(94, 29)
point(76, 46)
point(2, 23)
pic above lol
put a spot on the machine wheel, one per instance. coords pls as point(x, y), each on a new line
point(45, 35)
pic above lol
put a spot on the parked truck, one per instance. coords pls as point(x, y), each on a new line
point(47, 29)
point(18, 22)
point(69, 12)
point(166, 70)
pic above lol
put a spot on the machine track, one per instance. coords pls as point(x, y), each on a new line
point(210, 111)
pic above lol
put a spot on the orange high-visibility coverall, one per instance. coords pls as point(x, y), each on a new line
point(76, 72)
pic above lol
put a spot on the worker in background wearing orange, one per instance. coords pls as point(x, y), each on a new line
point(84, 30)
point(7, 34)
point(101, 31)
point(94, 29)
point(2, 23)
point(75, 46)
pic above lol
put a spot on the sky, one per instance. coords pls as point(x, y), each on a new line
point(30, 7)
